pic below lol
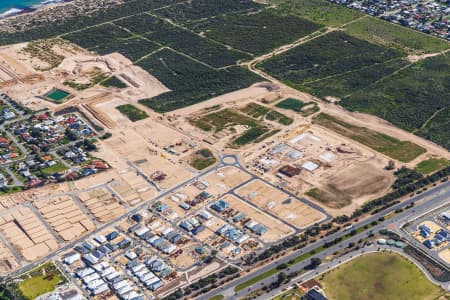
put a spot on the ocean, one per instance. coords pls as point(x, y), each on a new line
point(8, 7)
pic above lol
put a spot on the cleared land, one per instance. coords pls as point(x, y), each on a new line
point(379, 276)
point(65, 217)
point(403, 151)
point(26, 232)
point(358, 180)
point(270, 199)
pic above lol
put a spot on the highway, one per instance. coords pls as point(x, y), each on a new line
point(434, 197)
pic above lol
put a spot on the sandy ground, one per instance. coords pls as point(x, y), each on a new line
point(270, 199)
point(65, 217)
point(276, 229)
point(8, 262)
point(27, 234)
point(224, 179)
point(445, 255)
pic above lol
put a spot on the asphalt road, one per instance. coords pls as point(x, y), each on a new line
point(438, 195)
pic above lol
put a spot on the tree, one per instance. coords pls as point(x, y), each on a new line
point(315, 262)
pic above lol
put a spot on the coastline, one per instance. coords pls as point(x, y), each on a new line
point(19, 10)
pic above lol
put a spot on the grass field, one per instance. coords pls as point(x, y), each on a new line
point(319, 11)
point(200, 161)
point(292, 294)
point(132, 112)
point(37, 282)
point(305, 109)
point(54, 169)
point(389, 34)
point(403, 151)
point(379, 276)
point(217, 297)
point(431, 165)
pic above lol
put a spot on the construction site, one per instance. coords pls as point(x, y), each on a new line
point(142, 219)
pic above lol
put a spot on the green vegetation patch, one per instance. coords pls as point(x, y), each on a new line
point(403, 151)
point(57, 95)
point(191, 82)
point(292, 294)
point(331, 54)
point(132, 112)
point(182, 40)
point(39, 281)
point(60, 26)
point(251, 135)
point(335, 199)
point(92, 37)
point(54, 169)
point(274, 115)
point(437, 128)
point(416, 98)
point(392, 35)
point(217, 297)
point(256, 33)
point(319, 11)
point(255, 110)
point(200, 9)
point(342, 85)
point(113, 81)
point(202, 159)
point(431, 165)
point(223, 119)
point(379, 276)
point(261, 112)
point(305, 109)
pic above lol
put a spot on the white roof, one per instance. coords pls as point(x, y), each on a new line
point(90, 278)
point(250, 224)
point(95, 284)
point(170, 249)
point(206, 215)
point(72, 258)
point(327, 156)
point(112, 275)
point(100, 239)
point(131, 255)
point(107, 271)
point(142, 231)
point(119, 285)
point(85, 271)
point(138, 267)
point(101, 289)
point(242, 239)
point(310, 166)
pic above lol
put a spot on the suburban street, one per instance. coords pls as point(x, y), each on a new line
point(434, 197)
